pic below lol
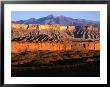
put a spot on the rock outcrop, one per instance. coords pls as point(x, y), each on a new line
point(54, 32)
point(22, 47)
point(47, 57)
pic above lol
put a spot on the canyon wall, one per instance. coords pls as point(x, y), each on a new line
point(53, 26)
point(55, 32)
point(22, 47)
point(41, 27)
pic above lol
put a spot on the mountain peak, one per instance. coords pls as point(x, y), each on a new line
point(32, 19)
point(61, 19)
point(50, 16)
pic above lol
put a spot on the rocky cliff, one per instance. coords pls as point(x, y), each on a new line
point(53, 32)
point(81, 46)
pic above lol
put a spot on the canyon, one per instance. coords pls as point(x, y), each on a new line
point(29, 40)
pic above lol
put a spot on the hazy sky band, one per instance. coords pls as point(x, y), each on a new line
point(24, 15)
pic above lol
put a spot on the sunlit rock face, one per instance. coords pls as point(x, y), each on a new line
point(54, 32)
point(22, 47)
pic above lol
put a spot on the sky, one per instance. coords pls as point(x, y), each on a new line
point(24, 15)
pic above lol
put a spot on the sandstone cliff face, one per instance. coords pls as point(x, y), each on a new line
point(55, 32)
point(41, 27)
point(23, 47)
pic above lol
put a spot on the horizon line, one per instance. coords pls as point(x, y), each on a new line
point(58, 16)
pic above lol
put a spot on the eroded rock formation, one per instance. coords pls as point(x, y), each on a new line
point(43, 44)
point(22, 47)
point(54, 32)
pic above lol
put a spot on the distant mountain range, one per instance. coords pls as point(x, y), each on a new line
point(62, 20)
